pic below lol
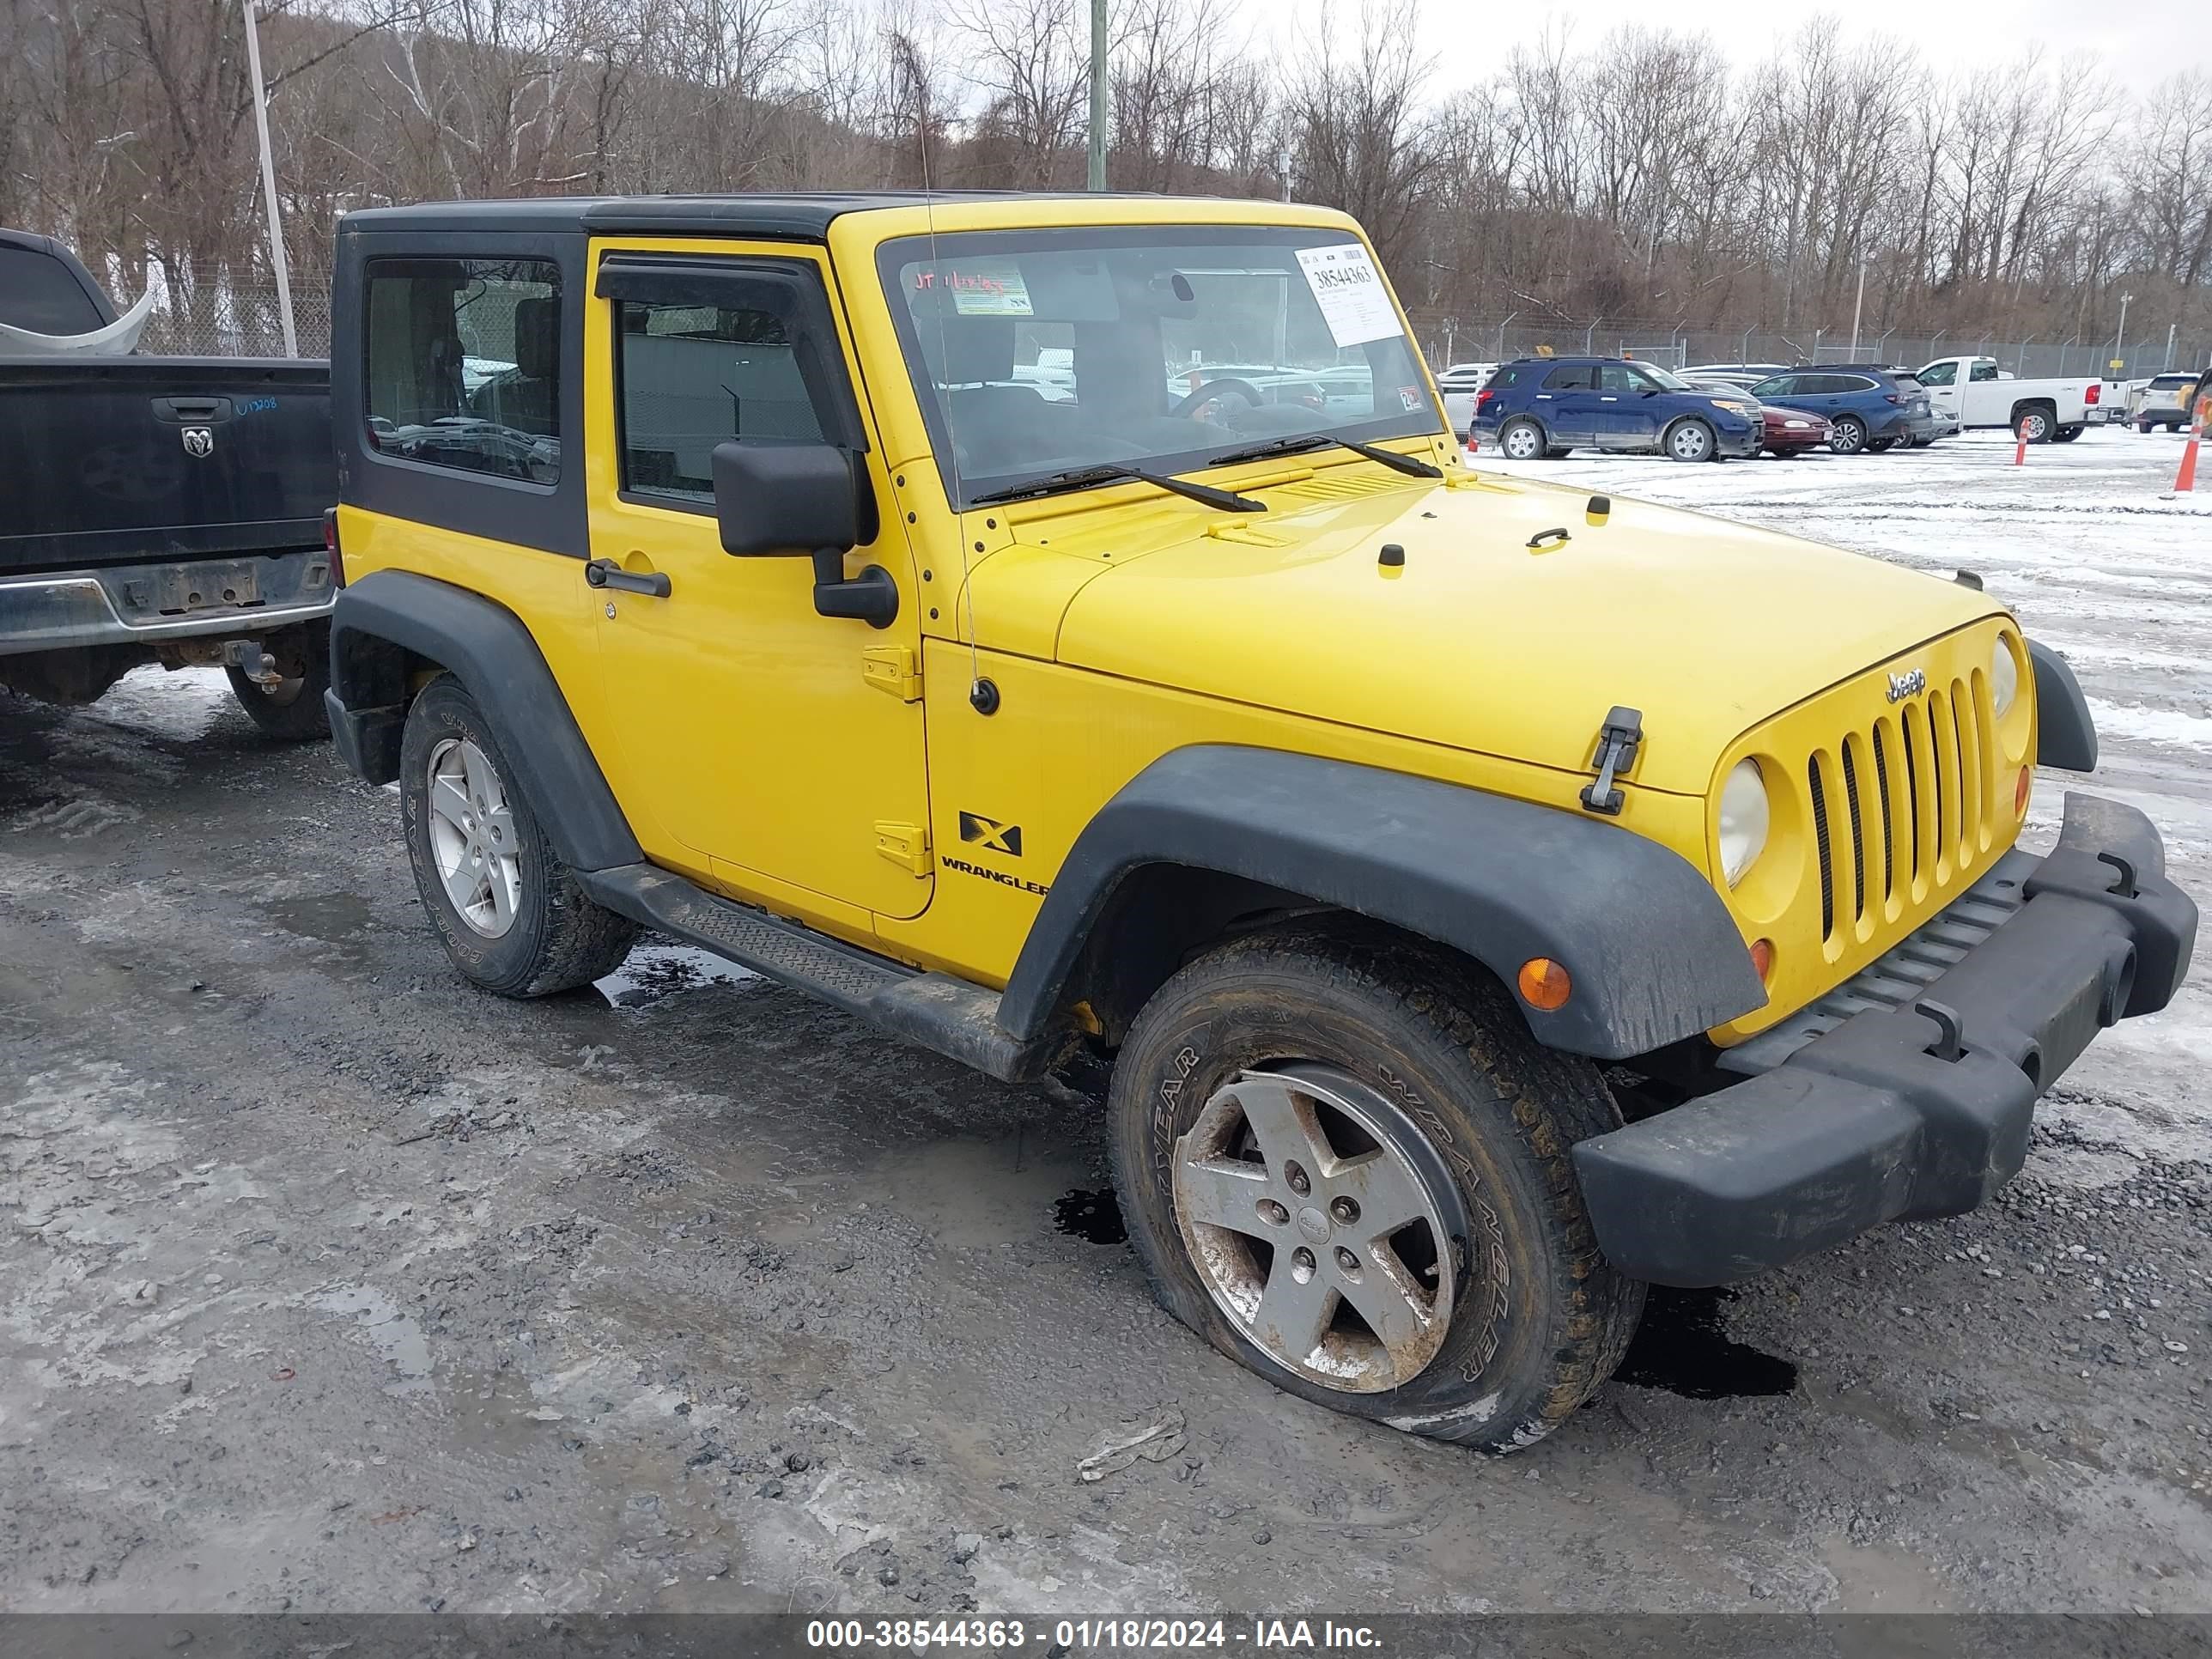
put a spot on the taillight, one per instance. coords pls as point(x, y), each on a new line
point(2090, 396)
point(1894, 397)
point(330, 546)
point(1483, 397)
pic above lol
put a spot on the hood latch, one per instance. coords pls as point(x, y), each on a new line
point(1618, 740)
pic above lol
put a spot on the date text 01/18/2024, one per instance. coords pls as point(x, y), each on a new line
point(1291, 1635)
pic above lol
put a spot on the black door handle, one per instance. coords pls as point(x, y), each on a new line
point(193, 411)
point(605, 573)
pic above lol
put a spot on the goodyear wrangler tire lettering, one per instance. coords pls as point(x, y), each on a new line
point(1536, 1319)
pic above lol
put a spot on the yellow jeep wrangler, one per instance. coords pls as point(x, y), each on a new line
point(1051, 624)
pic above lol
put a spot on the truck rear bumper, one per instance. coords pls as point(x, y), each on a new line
point(143, 603)
point(1908, 1091)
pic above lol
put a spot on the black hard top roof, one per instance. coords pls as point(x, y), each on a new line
point(800, 214)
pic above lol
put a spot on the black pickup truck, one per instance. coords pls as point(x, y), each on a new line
point(157, 509)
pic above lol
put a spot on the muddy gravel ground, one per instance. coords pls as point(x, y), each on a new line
point(332, 1285)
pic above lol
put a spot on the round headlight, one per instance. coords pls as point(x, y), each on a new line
point(1743, 819)
point(2005, 678)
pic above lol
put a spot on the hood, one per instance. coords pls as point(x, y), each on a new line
point(1476, 640)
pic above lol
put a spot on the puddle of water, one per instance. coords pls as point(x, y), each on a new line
point(396, 1335)
point(1681, 1348)
point(1093, 1217)
point(656, 969)
point(328, 916)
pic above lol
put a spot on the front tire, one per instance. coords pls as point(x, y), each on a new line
point(1690, 441)
point(1345, 1163)
point(508, 912)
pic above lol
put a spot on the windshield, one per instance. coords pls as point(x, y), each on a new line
point(1040, 352)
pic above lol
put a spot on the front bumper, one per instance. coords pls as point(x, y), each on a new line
point(1908, 1091)
point(1749, 440)
point(143, 603)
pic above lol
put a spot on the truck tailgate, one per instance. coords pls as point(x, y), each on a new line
point(117, 460)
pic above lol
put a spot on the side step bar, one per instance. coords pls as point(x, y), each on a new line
point(938, 1011)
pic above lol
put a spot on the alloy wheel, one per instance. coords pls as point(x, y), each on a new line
point(1313, 1209)
point(472, 839)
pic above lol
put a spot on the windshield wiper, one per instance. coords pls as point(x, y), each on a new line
point(1089, 478)
point(1411, 467)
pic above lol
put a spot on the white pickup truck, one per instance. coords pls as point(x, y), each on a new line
point(1979, 393)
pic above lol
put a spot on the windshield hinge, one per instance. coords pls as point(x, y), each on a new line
point(892, 668)
point(1618, 740)
point(906, 845)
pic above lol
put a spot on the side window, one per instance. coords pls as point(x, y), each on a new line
point(1569, 378)
point(1780, 387)
point(1504, 377)
point(1985, 371)
point(1939, 374)
point(1855, 383)
point(1632, 379)
point(464, 364)
point(1816, 385)
point(693, 376)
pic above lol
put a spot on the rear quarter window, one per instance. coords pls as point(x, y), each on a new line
point(463, 367)
point(40, 293)
point(1505, 377)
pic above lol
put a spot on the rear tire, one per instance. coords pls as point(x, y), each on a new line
point(1521, 440)
point(508, 912)
point(2032, 426)
point(1361, 1062)
point(1847, 435)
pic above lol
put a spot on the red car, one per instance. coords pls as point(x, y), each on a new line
point(1792, 431)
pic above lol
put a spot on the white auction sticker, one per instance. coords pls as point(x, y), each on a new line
point(995, 289)
point(1350, 292)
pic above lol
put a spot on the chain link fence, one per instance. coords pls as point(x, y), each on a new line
point(1450, 340)
point(241, 322)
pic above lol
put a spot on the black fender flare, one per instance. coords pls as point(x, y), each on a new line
point(2065, 732)
point(489, 650)
point(1651, 951)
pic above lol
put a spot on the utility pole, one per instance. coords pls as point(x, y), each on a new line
point(2169, 330)
point(2119, 338)
point(268, 184)
point(1098, 93)
point(1857, 306)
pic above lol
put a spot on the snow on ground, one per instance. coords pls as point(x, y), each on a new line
point(180, 704)
point(2098, 559)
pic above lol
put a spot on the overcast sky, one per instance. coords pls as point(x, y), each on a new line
point(2141, 41)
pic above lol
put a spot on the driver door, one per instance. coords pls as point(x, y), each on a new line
point(781, 748)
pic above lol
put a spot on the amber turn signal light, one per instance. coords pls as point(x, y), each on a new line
point(1545, 984)
point(1762, 957)
point(2020, 790)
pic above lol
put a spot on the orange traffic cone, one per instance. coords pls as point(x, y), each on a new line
point(2185, 480)
point(2020, 452)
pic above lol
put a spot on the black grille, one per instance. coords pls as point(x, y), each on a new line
point(1858, 832)
point(1820, 847)
point(1888, 834)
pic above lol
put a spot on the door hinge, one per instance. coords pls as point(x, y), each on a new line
point(1618, 740)
point(906, 845)
point(892, 668)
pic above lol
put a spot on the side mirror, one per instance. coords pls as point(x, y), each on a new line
point(775, 500)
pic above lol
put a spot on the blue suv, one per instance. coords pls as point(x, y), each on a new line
point(1867, 408)
point(1546, 406)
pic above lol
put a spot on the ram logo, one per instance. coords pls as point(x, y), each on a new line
point(1910, 683)
point(200, 442)
point(991, 834)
